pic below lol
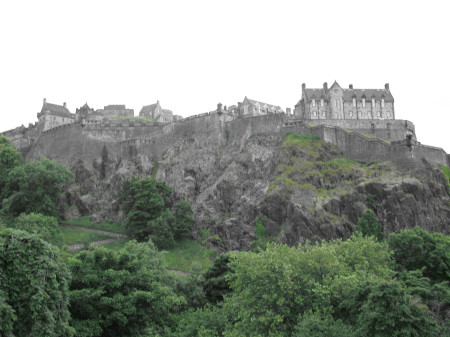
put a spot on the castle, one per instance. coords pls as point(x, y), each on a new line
point(361, 122)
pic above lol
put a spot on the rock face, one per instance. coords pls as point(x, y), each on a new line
point(299, 186)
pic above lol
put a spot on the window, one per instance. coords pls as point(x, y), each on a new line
point(351, 113)
point(313, 102)
point(382, 102)
point(389, 114)
point(314, 113)
point(321, 102)
point(335, 103)
point(354, 101)
point(373, 102)
point(363, 102)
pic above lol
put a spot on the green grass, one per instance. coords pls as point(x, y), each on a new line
point(134, 119)
point(72, 236)
point(294, 139)
point(86, 222)
point(116, 245)
point(186, 253)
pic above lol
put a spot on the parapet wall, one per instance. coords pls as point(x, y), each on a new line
point(389, 129)
point(124, 138)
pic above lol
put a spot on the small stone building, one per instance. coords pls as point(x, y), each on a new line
point(342, 103)
point(156, 112)
point(250, 107)
point(53, 115)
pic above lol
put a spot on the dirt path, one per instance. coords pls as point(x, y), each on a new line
point(77, 246)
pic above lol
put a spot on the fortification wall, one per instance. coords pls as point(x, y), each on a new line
point(389, 129)
point(359, 147)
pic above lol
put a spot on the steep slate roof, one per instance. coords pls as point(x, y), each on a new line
point(57, 110)
point(149, 108)
point(252, 101)
point(318, 93)
point(114, 107)
point(369, 93)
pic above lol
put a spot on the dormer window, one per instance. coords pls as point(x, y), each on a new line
point(313, 102)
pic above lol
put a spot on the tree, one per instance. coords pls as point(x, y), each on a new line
point(44, 226)
point(143, 200)
point(33, 287)
point(184, 219)
point(36, 187)
point(149, 215)
point(416, 249)
point(9, 159)
point(121, 293)
point(368, 225)
point(216, 284)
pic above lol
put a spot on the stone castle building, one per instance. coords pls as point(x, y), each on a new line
point(342, 103)
point(156, 112)
point(117, 110)
point(53, 115)
point(250, 107)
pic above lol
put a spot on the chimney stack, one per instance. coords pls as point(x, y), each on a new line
point(64, 105)
point(303, 86)
point(386, 86)
point(288, 111)
point(45, 101)
point(325, 86)
point(350, 86)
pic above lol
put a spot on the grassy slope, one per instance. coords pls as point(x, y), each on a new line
point(86, 222)
point(72, 236)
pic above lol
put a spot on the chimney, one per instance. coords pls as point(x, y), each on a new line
point(386, 86)
point(288, 111)
point(64, 105)
point(45, 101)
point(225, 108)
point(325, 86)
point(350, 86)
point(303, 86)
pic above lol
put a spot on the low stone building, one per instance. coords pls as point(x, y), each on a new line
point(341, 103)
point(250, 107)
point(53, 115)
point(156, 112)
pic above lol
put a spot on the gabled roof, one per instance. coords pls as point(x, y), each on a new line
point(253, 102)
point(57, 110)
point(149, 108)
point(315, 93)
point(115, 107)
point(378, 94)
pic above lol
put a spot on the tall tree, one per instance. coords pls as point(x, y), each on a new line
point(33, 287)
point(121, 293)
point(9, 159)
point(36, 187)
point(368, 225)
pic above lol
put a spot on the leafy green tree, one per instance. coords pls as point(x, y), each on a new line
point(390, 311)
point(121, 293)
point(368, 225)
point(184, 219)
point(209, 321)
point(9, 159)
point(33, 287)
point(143, 200)
point(35, 187)
point(215, 284)
point(417, 249)
point(161, 230)
point(271, 289)
point(44, 226)
point(319, 324)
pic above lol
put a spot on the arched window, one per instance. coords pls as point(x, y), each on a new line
point(354, 101)
point(313, 102)
point(364, 102)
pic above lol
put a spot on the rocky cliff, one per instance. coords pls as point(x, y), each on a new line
point(300, 187)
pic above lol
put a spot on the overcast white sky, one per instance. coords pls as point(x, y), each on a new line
point(193, 54)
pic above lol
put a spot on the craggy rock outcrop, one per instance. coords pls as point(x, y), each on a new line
point(300, 187)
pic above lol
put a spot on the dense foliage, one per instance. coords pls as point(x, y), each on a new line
point(121, 293)
point(147, 203)
point(9, 159)
point(33, 287)
point(44, 226)
point(368, 225)
point(35, 187)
